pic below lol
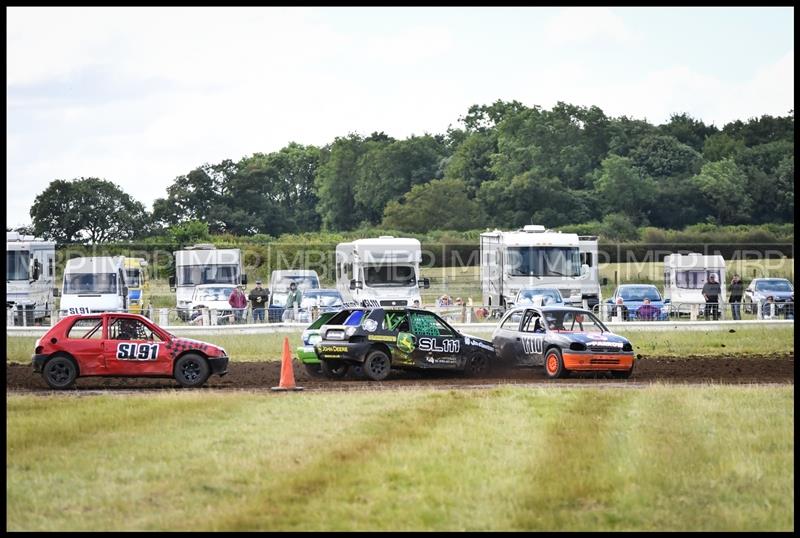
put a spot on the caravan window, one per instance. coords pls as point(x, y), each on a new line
point(694, 280)
point(17, 264)
point(90, 283)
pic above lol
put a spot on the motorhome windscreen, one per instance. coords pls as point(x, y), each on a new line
point(133, 277)
point(17, 264)
point(773, 285)
point(639, 293)
point(693, 280)
point(90, 283)
point(544, 261)
point(192, 275)
point(385, 276)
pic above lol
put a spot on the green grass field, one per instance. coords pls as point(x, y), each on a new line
point(659, 458)
point(259, 347)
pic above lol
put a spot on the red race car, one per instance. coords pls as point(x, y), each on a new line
point(112, 344)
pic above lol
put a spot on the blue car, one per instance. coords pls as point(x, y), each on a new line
point(633, 296)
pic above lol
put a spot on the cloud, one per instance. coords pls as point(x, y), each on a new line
point(587, 24)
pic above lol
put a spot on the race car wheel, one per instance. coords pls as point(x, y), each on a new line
point(477, 365)
point(621, 374)
point(60, 373)
point(377, 365)
point(192, 370)
point(334, 369)
point(314, 369)
point(554, 364)
point(357, 371)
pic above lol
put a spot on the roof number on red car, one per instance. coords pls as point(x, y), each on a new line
point(137, 352)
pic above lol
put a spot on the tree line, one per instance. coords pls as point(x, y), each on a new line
point(504, 165)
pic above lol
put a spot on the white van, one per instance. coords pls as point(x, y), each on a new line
point(279, 282)
point(95, 284)
point(30, 276)
point(685, 275)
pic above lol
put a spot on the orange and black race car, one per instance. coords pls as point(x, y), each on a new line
point(563, 340)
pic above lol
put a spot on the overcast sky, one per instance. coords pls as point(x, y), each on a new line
point(139, 96)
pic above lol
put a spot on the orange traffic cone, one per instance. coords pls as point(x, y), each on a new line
point(287, 372)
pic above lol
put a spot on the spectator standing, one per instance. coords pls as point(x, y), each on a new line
point(768, 308)
point(238, 302)
point(259, 298)
point(620, 310)
point(735, 298)
point(294, 297)
point(711, 291)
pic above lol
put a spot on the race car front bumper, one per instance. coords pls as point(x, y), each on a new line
point(38, 362)
point(219, 365)
point(588, 361)
point(307, 355)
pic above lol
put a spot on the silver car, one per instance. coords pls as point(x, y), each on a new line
point(780, 289)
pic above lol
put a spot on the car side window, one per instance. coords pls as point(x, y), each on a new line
point(87, 328)
point(533, 322)
point(130, 329)
point(512, 322)
point(395, 321)
point(424, 324)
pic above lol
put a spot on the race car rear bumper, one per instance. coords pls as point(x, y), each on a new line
point(332, 349)
point(219, 365)
point(580, 361)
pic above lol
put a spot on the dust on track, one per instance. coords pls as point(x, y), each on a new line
point(259, 376)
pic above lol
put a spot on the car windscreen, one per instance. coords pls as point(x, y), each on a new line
point(90, 283)
point(17, 264)
point(773, 285)
point(543, 261)
point(526, 296)
point(639, 293)
point(572, 321)
point(193, 275)
point(212, 294)
point(380, 276)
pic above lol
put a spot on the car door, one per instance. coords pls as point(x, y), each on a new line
point(437, 345)
point(506, 340)
point(85, 343)
point(133, 347)
point(530, 338)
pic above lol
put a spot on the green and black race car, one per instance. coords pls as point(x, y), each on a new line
point(379, 339)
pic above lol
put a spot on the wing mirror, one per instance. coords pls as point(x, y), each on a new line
point(172, 283)
point(244, 279)
point(356, 284)
point(56, 293)
point(425, 283)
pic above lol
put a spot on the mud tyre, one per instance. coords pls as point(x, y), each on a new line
point(477, 365)
point(554, 364)
point(191, 371)
point(377, 365)
point(334, 369)
point(60, 373)
point(314, 369)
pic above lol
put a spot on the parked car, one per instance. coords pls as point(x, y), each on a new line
point(213, 297)
point(563, 340)
point(780, 289)
point(526, 296)
point(325, 300)
point(118, 344)
point(379, 339)
point(633, 296)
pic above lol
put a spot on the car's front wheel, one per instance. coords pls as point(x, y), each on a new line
point(60, 373)
point(477, 365)
point(192, 370)
point(554, 364)
point(377, 365)
point(314, 369)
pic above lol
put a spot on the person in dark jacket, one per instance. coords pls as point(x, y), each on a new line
point(735, 298)
point(711, 291)
point(258, 301)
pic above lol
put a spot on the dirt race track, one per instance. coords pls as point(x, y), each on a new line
point(263, 375)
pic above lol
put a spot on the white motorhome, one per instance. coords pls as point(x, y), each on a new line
point(534, 256)
point(590, 286)
point(204, 264)
point(30, 275)
point(94, 284)
point(383, 270)
point(685, 275)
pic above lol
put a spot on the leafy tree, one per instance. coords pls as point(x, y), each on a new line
point(621, 186)
point(625, 134)
point(618, 227)
point(471, 161)
point(189, 232)
point(87, 209)
point(762, 130)
point(482, 118)
point(725, 187)
point(335, 183)
point(421, 209)
point(721, 146)
point(662, 157)
point(688, 130)
point(196, 196)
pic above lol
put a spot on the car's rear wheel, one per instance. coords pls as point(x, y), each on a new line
point(334, 369)
point(554, 364)
point(314, 369)
point(477, 365)
point(60, 373)
point(192, 370)
point(377, 365)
